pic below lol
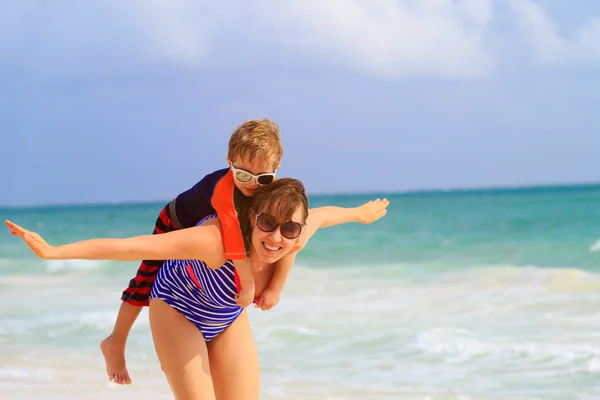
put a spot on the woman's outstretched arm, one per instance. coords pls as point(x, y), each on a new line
point(324, 217)
point(201, 242)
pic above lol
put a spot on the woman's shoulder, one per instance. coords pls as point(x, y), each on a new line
point(208, 232)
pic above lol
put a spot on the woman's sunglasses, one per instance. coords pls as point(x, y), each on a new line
point(247, 177)
point(268, 223)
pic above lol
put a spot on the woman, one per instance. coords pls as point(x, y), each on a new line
point(202, 338)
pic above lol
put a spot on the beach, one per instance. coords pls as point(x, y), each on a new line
point(482, 294)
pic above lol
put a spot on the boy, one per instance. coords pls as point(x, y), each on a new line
point(254, 155)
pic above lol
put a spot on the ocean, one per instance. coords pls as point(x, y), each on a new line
point(473, 294)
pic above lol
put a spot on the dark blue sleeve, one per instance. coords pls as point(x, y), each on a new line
point(196, 203)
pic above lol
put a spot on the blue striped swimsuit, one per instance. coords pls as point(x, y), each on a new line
point(205, 296)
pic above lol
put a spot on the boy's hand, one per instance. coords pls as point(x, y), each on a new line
point(245, 296)
point(35, 242)
point(371, 211)
point(268, 299)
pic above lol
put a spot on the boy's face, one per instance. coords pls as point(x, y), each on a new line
point(248, 175)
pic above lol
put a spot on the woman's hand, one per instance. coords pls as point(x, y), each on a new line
point(35, 242)
point(371, 211)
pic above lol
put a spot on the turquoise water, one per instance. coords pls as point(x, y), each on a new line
point(490, 294)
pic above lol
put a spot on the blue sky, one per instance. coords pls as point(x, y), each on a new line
point(110, 101)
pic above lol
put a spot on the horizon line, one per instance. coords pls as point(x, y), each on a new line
point(458, 189)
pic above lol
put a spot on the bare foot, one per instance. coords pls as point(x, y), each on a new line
point(114, 356)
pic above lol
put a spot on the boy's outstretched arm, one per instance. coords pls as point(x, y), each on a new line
point(202, 242)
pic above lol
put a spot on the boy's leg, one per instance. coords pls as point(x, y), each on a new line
point(133, 299)
point(113, 347)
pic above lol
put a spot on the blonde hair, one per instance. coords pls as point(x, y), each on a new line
point(257, 141)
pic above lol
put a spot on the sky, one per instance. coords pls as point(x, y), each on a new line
point(112, 101)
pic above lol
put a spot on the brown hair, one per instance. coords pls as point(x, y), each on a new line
point(281, 199)
point(257, 141)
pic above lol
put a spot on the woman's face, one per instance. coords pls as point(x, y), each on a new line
point(271, 246)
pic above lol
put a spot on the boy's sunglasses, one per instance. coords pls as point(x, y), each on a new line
point(247, 177)
point(268, 223)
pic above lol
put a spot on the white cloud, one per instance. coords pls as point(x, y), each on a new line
point(388, 38)
point(477, 11)
point(384, 38)
point(551, 47)
point(66, 35)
